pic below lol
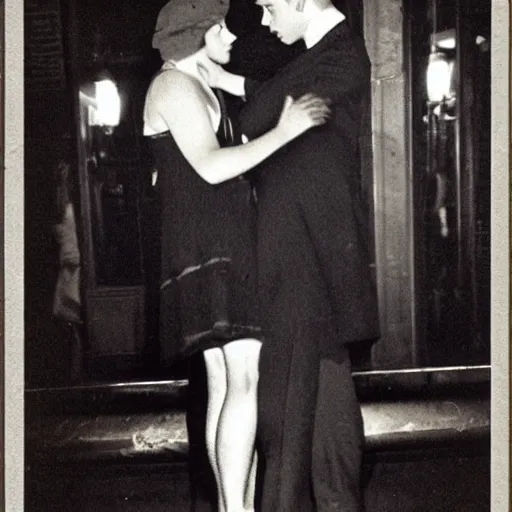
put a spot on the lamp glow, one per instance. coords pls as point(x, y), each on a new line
point(107, 111)
point(448, 43)
point(439, 77)
point(446, 40)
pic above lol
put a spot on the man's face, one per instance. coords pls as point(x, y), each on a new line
point(284, 19)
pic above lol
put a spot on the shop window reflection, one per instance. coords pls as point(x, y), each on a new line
point(451, 143)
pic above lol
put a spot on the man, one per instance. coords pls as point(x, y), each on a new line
point(316, 282)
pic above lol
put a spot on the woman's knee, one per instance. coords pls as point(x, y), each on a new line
point(215, 369)
point(242, 357)
point(214, 359)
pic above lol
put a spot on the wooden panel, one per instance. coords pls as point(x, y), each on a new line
point(116, 320)
point(393, 229)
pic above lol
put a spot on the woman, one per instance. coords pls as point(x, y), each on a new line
point(208, 281)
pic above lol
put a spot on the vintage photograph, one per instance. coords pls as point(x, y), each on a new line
point(257, 253)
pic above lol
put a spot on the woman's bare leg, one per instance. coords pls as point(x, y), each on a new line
point(250, 491)
point(237, 424)
point(217, 385)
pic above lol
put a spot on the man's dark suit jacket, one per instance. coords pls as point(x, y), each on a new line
point(321, 170)
point(317, 284)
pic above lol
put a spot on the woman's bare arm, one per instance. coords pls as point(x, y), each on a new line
point(181, 105)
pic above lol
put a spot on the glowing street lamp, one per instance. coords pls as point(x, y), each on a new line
point(439, 77)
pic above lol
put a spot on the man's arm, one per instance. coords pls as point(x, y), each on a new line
point(256, 56)
point(337, 74)
point(218, 78)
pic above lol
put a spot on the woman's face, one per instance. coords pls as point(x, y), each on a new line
point(218, 40)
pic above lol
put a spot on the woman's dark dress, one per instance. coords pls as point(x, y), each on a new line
point(208, 267)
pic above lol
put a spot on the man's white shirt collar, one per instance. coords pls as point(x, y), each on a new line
point(324, 22)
